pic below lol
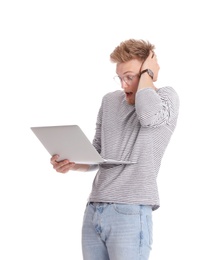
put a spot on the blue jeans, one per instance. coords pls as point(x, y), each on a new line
point(116, 232)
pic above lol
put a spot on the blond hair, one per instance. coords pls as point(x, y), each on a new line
point(131, 49)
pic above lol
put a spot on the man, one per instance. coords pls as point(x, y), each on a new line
point(136, 124)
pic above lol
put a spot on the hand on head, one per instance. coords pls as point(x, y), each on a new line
point(152, 64)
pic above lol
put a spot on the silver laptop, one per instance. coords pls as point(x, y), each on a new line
point(70, 142)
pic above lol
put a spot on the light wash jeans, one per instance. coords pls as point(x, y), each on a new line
point(116, 232)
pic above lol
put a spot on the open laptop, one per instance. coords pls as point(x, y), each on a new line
point(70, 142)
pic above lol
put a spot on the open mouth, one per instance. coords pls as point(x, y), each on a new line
point(128, 94)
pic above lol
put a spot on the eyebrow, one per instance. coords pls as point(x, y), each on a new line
point(126, 72)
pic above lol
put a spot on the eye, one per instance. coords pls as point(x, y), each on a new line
point(129, 77)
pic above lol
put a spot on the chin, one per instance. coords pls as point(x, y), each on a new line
point(130, 102)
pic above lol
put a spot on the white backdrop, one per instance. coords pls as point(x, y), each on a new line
point(54, 69)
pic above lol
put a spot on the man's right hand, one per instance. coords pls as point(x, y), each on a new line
point(62, 166)
point(65, 165)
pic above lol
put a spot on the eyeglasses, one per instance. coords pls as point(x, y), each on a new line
point(127, 79)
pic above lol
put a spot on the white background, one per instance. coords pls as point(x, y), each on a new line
point(54, 69)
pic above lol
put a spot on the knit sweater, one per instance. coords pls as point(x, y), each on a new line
point(138, 133)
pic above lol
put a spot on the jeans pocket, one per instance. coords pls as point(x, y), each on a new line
point(126, 209)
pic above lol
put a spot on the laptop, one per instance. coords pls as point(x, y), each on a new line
point(70, 142)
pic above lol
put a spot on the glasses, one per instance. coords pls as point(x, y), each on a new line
point(127, 79)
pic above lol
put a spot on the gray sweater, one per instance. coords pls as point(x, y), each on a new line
point(139, 133)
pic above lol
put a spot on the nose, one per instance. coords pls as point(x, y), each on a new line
point(123, 84)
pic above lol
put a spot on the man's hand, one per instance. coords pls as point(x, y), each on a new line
point(152, 64)
point(65, 165)
point(61, 166)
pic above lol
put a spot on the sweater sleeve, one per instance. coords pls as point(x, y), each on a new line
point(97, 139)
point(156, 108)
point(97, 136)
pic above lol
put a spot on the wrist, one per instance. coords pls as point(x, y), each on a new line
point(145, 81)
point(148, 71)
point(80, 167)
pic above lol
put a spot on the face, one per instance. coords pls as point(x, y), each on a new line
point(128, 72)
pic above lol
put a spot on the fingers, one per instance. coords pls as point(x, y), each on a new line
point(152, 63)
point(54, 158)
point(152, 54)
point(61, 166)
point(153, 57)
point(64, 166)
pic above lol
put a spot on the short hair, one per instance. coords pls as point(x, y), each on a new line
point(131, 49)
